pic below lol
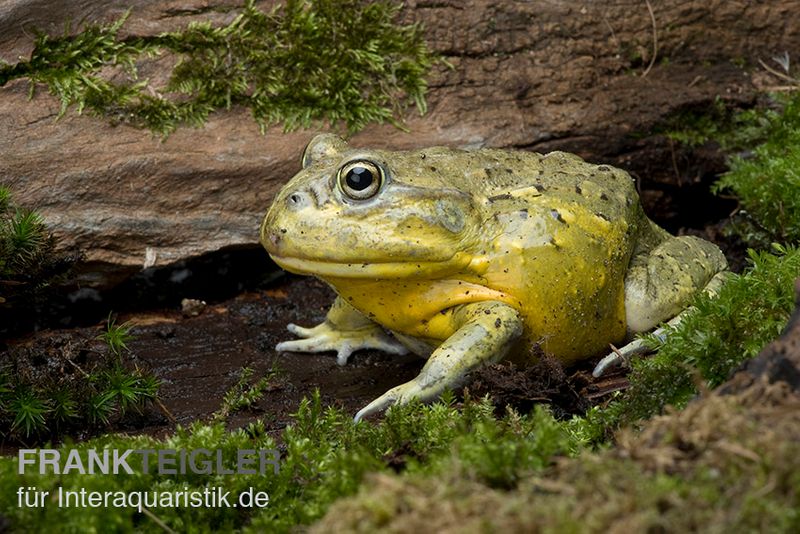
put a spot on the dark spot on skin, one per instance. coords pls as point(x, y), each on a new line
point(422, 155)
point(504, 196)
point(523, 213)
point(603, 216)
point(603, 196)
point(509, 171)
point(505, 271)
point(557, 216)
point(433, 169)
point(487, 312)
point(283, 230)
point(540, 187)
point(498, 323)
point(578, 189)
point(604, 168)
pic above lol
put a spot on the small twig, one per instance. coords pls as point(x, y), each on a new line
point(697, 79)
point(782, 88)
point(157, 521)
point(75, 365)
point(779, 74)
point(675, 162)
point(164, 410)
point(613, 35)
point(655, 38)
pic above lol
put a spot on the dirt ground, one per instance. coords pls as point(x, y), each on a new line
point(200, 358)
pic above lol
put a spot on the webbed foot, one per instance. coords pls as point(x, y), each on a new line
point(324, 337)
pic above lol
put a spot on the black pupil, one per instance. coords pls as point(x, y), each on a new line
point(359, 178)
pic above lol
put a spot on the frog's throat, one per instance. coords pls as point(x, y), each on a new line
point(408, 268)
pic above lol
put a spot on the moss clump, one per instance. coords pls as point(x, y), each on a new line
point(763, 148)
point(309, 60)
point(28, 262)
point(325, 457)
point(733, 129)
point(67, 384)
point(767, 181)
point(723, 465)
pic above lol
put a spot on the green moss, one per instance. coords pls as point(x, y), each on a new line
point(733, 129)
point(763, 149)
point(28, 261)
point(767, 182)
point(309, 60)
point(325, 456)
point(243, 394)
point(45, 394)
point(725, 465)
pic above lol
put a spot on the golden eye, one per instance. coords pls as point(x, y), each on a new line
point(360, 180)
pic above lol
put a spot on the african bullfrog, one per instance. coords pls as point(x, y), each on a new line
point(466, 257)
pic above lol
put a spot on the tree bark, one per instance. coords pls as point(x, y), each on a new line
point(593, 78)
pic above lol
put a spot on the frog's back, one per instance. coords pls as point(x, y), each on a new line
point(561, 234)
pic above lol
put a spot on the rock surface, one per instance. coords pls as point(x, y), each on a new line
point(532, 75)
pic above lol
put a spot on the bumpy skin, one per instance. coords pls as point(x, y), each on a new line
point(469, 256)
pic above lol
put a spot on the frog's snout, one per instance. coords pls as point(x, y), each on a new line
point(279, 218)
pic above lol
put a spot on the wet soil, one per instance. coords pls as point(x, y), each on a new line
point(200, 358)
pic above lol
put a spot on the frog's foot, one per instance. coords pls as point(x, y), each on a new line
point(622, 356)
point(417, 389)
point(324, 337)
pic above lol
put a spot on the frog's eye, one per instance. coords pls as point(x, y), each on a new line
point(360, 180)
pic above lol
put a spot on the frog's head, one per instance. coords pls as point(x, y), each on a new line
point(370, 214)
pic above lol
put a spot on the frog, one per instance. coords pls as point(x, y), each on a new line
point(467, 257)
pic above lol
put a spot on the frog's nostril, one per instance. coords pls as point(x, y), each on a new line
point(274, 239)
point(294, 198)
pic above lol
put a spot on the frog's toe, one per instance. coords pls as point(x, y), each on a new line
point(300, 331)
point(303, 345)
point(378, 405)
point(622, 356)
point(397, 395)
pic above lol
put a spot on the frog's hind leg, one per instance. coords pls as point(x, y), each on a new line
point(659, 287)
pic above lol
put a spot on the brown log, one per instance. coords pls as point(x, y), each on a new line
point(535, 75)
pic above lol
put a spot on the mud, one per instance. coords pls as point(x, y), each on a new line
point(200, 358)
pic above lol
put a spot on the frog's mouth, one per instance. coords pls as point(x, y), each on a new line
point(378, 270)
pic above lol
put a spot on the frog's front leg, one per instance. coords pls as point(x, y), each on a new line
point(344, 330)
point(484, 332)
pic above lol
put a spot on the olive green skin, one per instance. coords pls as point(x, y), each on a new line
point(562, 243)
